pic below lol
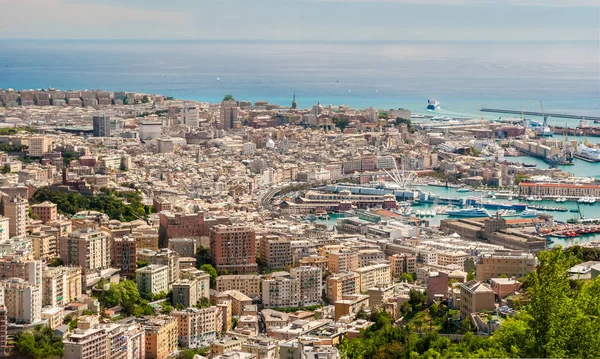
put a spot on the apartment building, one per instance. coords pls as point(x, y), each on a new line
point(249, 284)
point(23, 301)
point(164, 256)
point(475, 297)
point(45, 245)
point(24, 267)
point(4, 229)
point(343, 261)
point(367, 256)
point(161, 336)
point(238, 300)
point(152, 279)
point(509, 263)
point(198, 327)
point(281, 291)
point(374, 275)
point(185, 293)
point(92, 340)
point(45, 211)
point(86, 344)
point(185, 247)
point(61, 285)
point(89, 249)
point(145, 237)
point(275, 252)
point(202, 279)
point(233, 248)
point(38, 145)
point(445, 258)
point(315, 261)
point(124, 255)
point(311, 284)
point(402, 263)
point(341, 284)
point(15, 209)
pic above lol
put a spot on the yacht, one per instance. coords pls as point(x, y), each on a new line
point(560, 200)
point(463, 189)
point(529, 213)
point(470, 212)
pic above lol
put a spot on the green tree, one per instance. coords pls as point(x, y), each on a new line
point(208, 268)
point(408, 277)
point(470, 275)
point(41, 343)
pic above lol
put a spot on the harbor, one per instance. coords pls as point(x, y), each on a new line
point(542, 114)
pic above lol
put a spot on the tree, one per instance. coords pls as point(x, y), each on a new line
point(145, 99)
point(470, 275)
point(41, 343)
point(212, 272)
point(408, 277)
point(416, 299)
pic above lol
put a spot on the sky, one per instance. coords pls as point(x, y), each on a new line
point(303, 20)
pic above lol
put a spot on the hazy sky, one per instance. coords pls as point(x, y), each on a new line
point(326, 20)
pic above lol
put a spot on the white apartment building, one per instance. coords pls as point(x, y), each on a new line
point(281, 291)
point(373, 275)
point(311, 284)
point(22, 300)
point(152, 279)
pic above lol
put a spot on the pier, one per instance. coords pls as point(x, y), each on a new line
point(534, 113)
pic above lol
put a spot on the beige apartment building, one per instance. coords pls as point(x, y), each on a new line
point(445, 258)
point(249, 284)
point(202, 279)
point(374, 275)
point(161, 336)
point(92, 340)
point(474, 297)
point(281, 292)
point(367, 256)
point(401, 263)
point(341, 284)
point(145, 237)
point(86, 344)
point(24, 267)
point(311, 284)
point(61, 285)
point(152, 279)
point(509, 263)
point(343, 261)
point(15, 210)
point(38, 145)
point(275, 252)
point(45, 245)
point(198, 327)
point(315, 261)
point(89, 249)
point(22, 300)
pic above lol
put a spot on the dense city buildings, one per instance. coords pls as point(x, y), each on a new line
point(89, 249)
point(101, 125)
point(233, 248)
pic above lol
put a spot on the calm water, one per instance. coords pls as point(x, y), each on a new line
point(462, 75)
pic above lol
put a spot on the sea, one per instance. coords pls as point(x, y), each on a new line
point(462, 76)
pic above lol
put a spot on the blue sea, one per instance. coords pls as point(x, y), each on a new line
point(463, 76)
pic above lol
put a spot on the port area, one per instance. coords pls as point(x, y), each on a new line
point(581, 131)
point(534, 113)
point(585, 227)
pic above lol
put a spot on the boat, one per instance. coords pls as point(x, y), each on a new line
point(586, 152)
point(510, 198)
point(587, 200)
point(560, 200)
point(470, 212)
point(529, 213)
point(433, 104)
point(463, 189)
point(506, 213)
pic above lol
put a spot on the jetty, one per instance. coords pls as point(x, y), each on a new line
point(535, 113)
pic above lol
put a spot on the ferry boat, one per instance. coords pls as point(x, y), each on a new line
point(433, 105)
point(587, 153)
point(470, 212)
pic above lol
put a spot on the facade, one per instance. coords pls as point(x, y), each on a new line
point(86, 344)
point(310, 284)
point(45, 245)
point(233, 248)
point(281, 292)
point(24, 267)
point(176, 225)
point(38, 145)
point(161, 336)
point(4, 228)
point(275, 252)
point(202, 279)
point(343, 261)
point(106, 341)
point(185, 247)
point(372, 276)
point(475, 297)
point(249, 284)
point(15, 210)
point(101, 125)
point(229, 113)
point(124, 255)
point(22, 300)
point(341, 284)
point(46, 211)
point(152, 279)
point(61, 285)
point(505, 263)
point(89, 249)
point(185, 293)
point(198, 327)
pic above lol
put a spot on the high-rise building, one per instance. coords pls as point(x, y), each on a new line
point(281, 291)
point(38, 145)
point(101, 124)
point(3, 330)
point(15, 209)
point(275, 252)
point(161, 336)
point(61, 285)
point(198, 327)
point(23, 301)
point(341, 284)
point(106, 341)
point(233, 248)
point(229, 113)
point(190, 115)
point(311, 284)
point(24, 267)
point(343, 261)
point(89, 249)
point(45, 245)
point(124, 255)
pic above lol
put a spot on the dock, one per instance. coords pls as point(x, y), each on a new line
point(534, 113)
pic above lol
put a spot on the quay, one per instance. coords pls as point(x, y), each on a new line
point(586, 131)
point(534, 113)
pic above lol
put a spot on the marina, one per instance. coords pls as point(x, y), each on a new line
point(535, 113)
